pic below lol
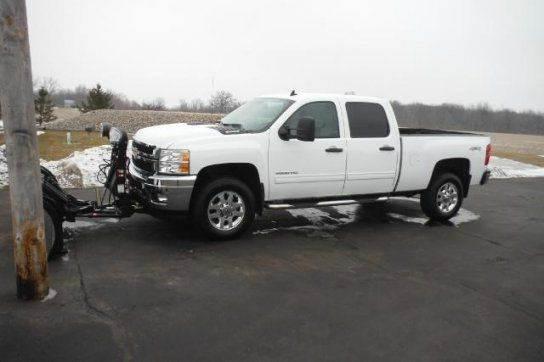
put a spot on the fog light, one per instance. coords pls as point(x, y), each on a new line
point(161, 198)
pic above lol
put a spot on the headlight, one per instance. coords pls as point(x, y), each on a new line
point(174, 161)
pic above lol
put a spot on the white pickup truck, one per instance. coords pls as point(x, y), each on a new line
point(283, 151)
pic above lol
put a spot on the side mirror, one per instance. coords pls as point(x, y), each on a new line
point(283, 132)
point(306, 129)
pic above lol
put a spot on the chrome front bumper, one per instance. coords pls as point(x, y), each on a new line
point(172, 193)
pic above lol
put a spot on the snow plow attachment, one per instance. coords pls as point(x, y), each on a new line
point(116, 201)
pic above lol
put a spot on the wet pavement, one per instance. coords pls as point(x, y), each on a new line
point(338, 283)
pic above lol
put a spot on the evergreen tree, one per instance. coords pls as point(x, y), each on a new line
point(97, 99)
point(43, 105)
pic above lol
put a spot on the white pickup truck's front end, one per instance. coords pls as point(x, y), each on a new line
point(160, 165)
point(157, 189)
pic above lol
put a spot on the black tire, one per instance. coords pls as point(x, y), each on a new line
point(429, 198)
point(54, 239)
point(226, 185)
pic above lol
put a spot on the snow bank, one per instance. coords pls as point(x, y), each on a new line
point(505, 168)
point(80, 169)
point(87, 162)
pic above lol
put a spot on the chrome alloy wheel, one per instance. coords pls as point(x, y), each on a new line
point(447, 197)
point(226, 210)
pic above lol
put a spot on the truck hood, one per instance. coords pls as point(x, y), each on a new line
point(176, 135)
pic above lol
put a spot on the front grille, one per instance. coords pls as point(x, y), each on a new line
point(145, 148)
point(143, 156)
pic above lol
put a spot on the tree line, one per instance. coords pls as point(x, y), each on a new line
point(87, 99)
point(478, 118)
point(444, 116)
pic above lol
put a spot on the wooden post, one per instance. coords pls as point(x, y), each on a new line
point(22, 152)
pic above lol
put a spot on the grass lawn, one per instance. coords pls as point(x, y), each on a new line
point(520, 157)
point(53, 146)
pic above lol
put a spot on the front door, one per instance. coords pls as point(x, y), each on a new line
point(301, 169)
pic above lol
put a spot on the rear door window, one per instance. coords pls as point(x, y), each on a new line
point(367, 120)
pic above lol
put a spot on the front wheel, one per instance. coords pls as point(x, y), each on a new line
point(224, 208)
point(443, 199)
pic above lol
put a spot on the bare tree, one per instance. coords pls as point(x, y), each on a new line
point(120, 101)
point(155, 105)
point(50, 84)
point(223, 102)
point(183, 106)
point(196, 105)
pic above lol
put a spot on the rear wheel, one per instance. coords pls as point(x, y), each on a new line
point(443, 199)
point(224, 208)
point(53, 230)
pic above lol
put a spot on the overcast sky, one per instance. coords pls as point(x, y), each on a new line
point(461, 51)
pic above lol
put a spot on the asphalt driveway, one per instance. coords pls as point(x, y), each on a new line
point(371, 282)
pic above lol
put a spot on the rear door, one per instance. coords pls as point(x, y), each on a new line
point(301, 169)
point(373, 149)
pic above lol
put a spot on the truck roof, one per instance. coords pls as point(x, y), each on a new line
point(309, 96)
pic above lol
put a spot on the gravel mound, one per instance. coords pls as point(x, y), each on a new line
point(130, 121)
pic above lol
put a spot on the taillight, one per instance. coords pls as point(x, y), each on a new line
point(487, 154)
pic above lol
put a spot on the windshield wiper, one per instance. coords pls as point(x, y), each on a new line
point(233, 125)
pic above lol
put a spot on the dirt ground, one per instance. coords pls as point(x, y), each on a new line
point(518, 147)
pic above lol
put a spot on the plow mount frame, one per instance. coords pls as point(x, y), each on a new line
point(116, 186)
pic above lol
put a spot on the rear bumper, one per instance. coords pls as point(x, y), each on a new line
point(169, 193)
point(485, 177)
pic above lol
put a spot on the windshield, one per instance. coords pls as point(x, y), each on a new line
point(257, 114)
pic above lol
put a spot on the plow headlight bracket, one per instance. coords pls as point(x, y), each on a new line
point(174, 162)
point(105, 129)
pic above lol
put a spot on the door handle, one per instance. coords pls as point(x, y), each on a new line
point(387, 148)
point(334, 149)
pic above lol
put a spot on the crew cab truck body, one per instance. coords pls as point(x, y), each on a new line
point(281, 151)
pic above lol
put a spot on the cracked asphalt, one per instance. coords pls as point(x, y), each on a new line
point(340, 286)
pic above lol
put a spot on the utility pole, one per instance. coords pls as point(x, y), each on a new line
point(22, 152)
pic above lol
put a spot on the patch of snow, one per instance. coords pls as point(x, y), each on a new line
point(52, 294)
point(87, 161)
point(463, 215)
point(505, 168)
point(80, 224)
point(85, 224)
point(3, 166)
point(39, 133)
point(415, 220)
point(322, 222)
point(80, 169)
point(315, 216)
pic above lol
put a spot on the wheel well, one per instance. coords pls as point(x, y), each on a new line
point(458, 166)
point(244, 172)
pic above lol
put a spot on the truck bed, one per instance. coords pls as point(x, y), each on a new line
point(422, 149)
point(406, 131)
